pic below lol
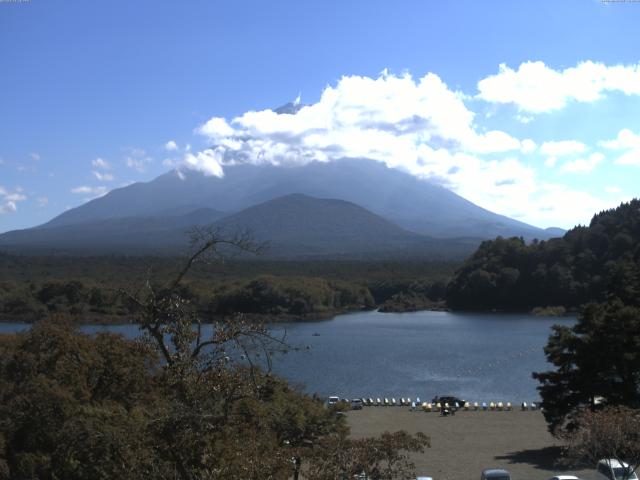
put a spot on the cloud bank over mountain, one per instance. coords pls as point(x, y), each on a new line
point(424, 127)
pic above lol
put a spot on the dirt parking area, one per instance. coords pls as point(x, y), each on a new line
point(465, 444)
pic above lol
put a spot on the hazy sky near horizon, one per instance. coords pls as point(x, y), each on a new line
point(530, 109)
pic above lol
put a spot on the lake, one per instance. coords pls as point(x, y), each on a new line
point(479, 357)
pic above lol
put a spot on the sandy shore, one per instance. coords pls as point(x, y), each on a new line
point(465, 444)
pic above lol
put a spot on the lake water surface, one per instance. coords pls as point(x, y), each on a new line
point(479, 357)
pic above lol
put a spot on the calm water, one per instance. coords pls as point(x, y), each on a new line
point(479, 357)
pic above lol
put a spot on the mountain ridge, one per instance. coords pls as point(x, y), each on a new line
point(294, 225)
point(411, 203)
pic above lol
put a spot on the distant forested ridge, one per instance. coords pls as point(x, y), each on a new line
point(594, 263)
point(34, 287)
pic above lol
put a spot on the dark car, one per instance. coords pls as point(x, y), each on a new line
point(451, 400)
point(495, 474)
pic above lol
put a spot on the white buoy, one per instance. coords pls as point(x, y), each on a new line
point(484, 405)
point(508, 406)
point(475, 405)
point(386, 402)
point(524, 406)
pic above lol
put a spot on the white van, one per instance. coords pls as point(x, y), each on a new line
point(612, 469)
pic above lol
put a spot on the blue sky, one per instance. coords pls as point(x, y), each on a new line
point(530, 109)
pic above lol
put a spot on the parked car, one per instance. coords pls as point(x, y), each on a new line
point(356, 404)
point(424, 478)
point(333, 400)
point(612, 469)
point(495, 474)
point(564, 477)
point(451, 400)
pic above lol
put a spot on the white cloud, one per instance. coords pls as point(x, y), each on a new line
point(35, 156)
point(208, 161)
point(560, 205)
point(170, 163)
point(417, 125)
point(536, 88)
point(103, 177)
point(171, 146)
point(101, 163)
point(9, 199)
point(137, 159)
point(555, 149)
point(561, 148)
point(627, 141)
point(42, 201)
point(524, 118)
point(392, 119)
point(216, 127)
point(612, 189)
point(26, 168)
point(92, 192)
point(8, 207)
point(583, 165)
point(528, 146)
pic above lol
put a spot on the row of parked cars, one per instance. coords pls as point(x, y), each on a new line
point(358, 403)
point(606, 469)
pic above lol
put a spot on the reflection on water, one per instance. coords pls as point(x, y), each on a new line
point(479, 357)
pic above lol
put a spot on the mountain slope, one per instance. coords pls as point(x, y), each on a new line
point(298, 225)
point(294, 226)
point(409, 202)
point(152, 234)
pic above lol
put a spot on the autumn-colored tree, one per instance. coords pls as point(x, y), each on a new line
point(380, 458)
point(612, 433)
point(189, 400)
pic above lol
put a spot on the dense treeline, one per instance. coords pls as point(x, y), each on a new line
point(597, 364)
point(588, 264)
point(180, 402)
point(269, 295)
point(88, 287)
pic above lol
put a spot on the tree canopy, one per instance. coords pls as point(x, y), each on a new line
point(184, 401)
point(597, 363)
point(587, 264)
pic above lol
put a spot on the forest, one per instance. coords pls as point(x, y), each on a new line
point(89, 287)
point(589, 263)
point(175, 402)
